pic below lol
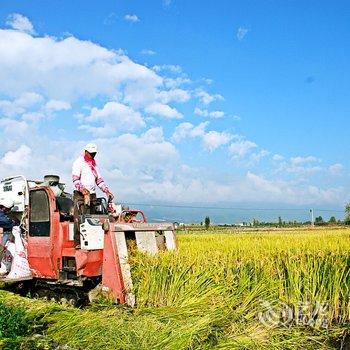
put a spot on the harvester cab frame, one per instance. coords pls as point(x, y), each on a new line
point(101, 266)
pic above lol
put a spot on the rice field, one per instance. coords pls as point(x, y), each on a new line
point(271, 290)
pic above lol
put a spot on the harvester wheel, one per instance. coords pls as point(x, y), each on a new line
point(69, 299)
point(52, 296)
point(64, 301)
point(42, 294)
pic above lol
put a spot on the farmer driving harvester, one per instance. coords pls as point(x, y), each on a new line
point(45, 261)
point(86, 176)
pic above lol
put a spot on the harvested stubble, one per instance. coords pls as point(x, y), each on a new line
point(208, 295)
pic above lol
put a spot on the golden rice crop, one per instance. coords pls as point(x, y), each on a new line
point(211, 294)
point(222, 269)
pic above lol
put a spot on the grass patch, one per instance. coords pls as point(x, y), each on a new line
point(13, 322)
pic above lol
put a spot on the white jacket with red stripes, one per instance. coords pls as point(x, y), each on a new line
point(86, 176)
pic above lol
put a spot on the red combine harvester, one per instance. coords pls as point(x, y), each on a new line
point(61, 272)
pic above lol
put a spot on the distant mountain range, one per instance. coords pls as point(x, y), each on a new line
point(234, 213)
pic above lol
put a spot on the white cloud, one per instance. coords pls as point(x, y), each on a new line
point(300, 166)
point(258, 156)
point(258, 188)
point(277, 158)
point(172, 83)
point(11, 127)
point(241, 148)
point(163, 110)
point(167, 67)
point(31, 107)
point(113, 117)
point(56, 105)
point(71, 69)
point(201, 112)
point(33, 116)
point(131, 18)
point(18, 106)
point(9, 109)
point(206, 113)
point(304, 170)
point(211, 140)
point(208, 81)
point(147, 52)
point(150, 147)
point(18, 158)
point(336, 169)
point(139, 94)
point(216, 114)
point(206, 98)
point(141, 165)
point(214, 139)
point(28, 99)
point(261, 184)
point(186, 129)
point(176, 95)
point(20, 23)
point(67, 69)
point(241, 33)
point(303, 160)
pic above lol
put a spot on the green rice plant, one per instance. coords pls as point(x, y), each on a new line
point(12, 321)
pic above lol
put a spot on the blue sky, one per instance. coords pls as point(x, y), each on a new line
point(189, 101)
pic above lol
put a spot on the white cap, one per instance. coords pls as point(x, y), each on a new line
point(7, 202)
point(91, 148)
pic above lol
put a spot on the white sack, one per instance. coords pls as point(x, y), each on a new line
point(20, 266)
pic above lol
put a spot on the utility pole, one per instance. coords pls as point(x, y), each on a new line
point(312, 217)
